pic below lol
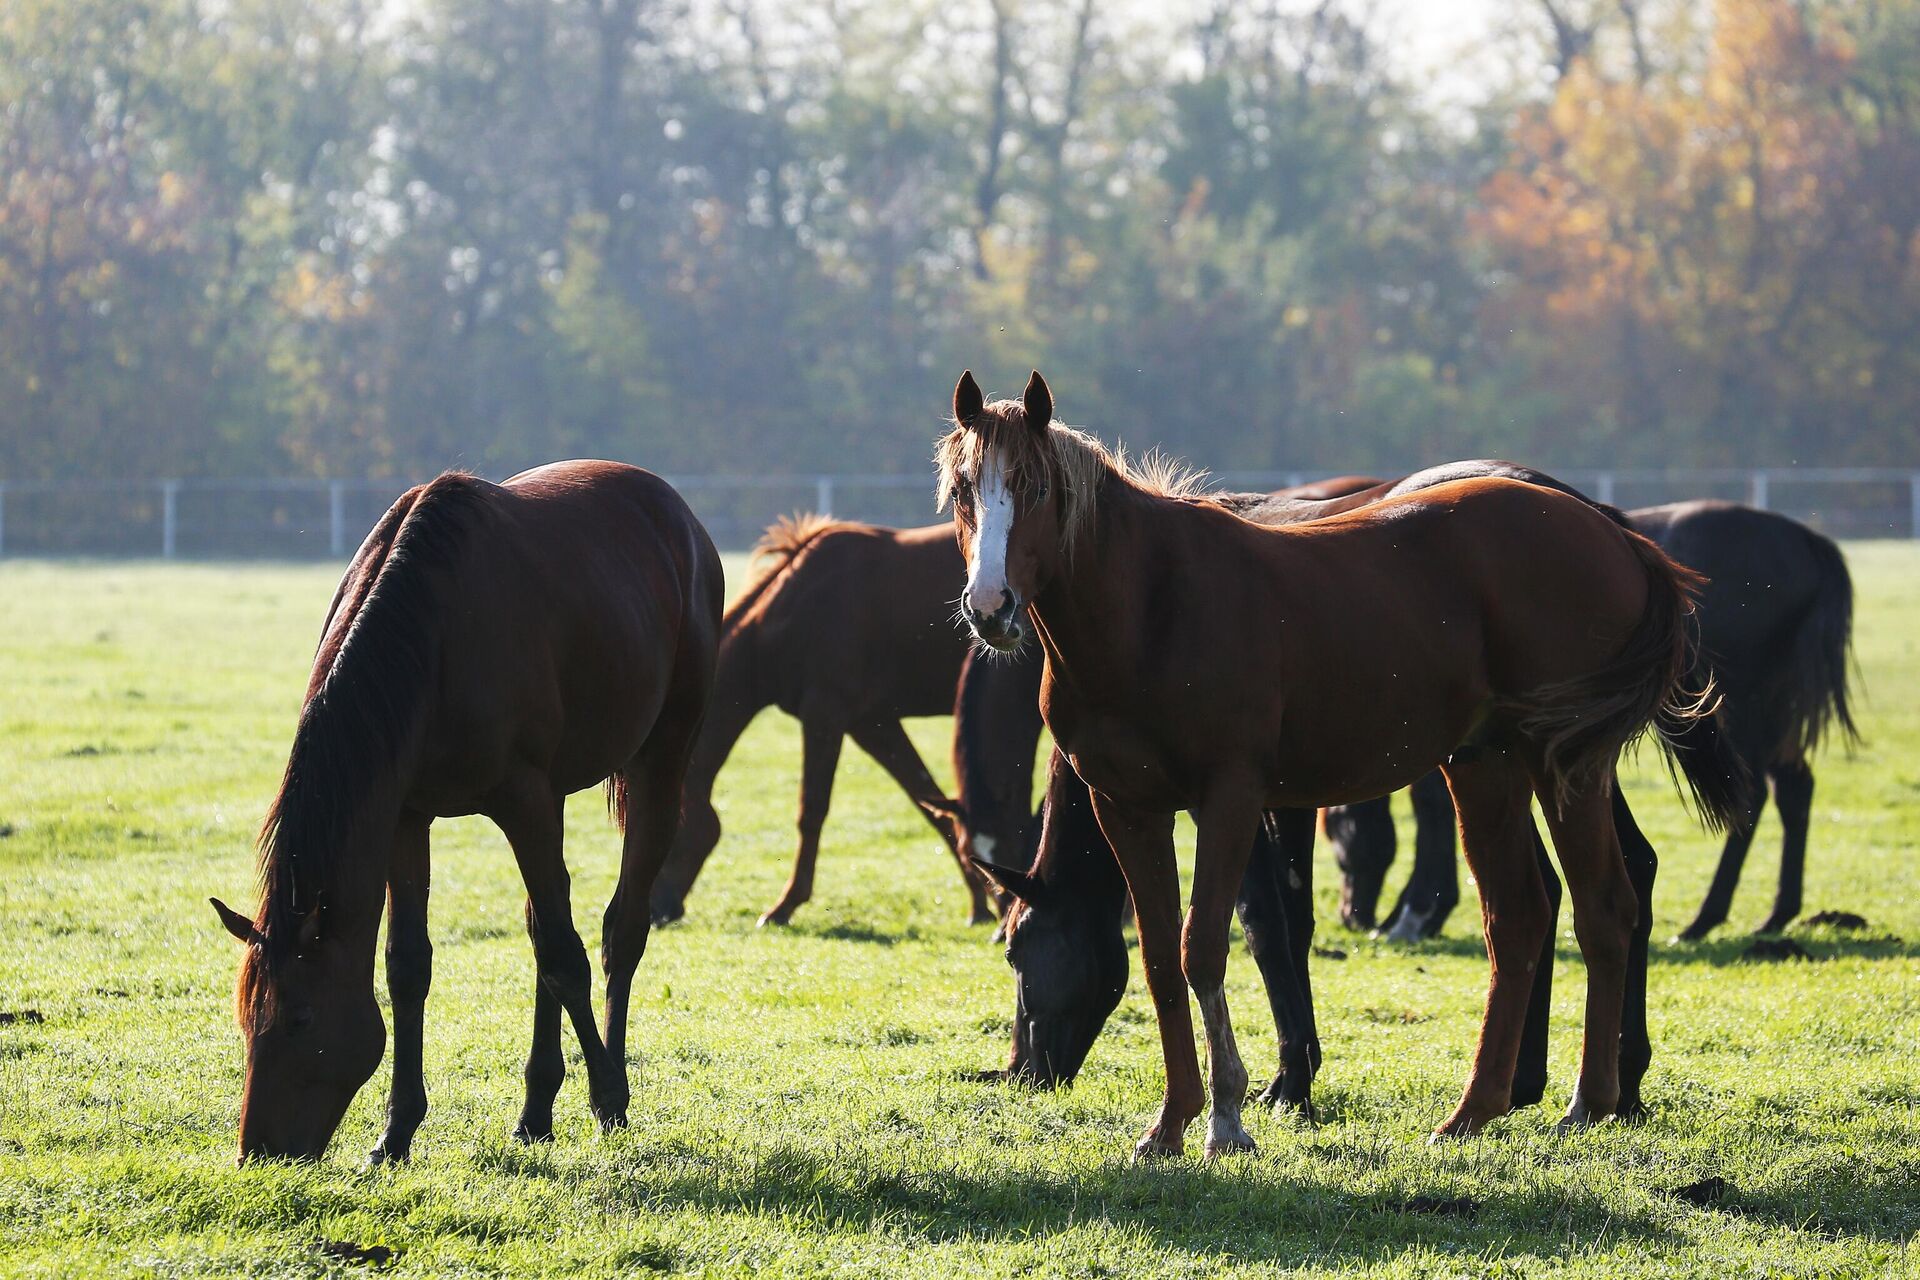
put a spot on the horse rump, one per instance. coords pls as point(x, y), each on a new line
point(1655, 682)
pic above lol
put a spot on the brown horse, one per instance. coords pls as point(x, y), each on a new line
point(996, 707)
point(492, 648)
point(848, 628)
point(1514, 633)
point(1062, 1000)
point(1776, 623)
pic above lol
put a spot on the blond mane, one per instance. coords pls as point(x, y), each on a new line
point(1067, 461)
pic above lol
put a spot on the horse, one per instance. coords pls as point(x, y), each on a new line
point(1776, 626)
point(491, 649)
point(1068, 953)
point(997, 708)
point(1512, 632)
point(848, 628)
point(1061, 1002)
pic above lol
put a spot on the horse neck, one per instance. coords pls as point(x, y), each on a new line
point(1090, 617)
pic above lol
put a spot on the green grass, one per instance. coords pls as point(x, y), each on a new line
point(799, 1101)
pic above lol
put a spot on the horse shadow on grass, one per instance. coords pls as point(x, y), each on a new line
point(1217, 1212)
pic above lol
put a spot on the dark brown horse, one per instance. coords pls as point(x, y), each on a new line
point(848, 628)
point(1513, 632)
point(492, 649)
point(1776, 623)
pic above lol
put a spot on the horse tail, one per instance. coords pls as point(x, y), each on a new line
point(1583, 724)
point(1815, 682)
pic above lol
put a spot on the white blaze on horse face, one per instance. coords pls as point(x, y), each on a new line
point(987, 585)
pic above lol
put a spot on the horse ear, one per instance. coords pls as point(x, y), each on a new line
point(1022, 885)
point(236, 924)
point(967, 400)
point(1038, 400)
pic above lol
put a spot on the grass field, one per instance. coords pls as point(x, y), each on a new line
point(800, 1106)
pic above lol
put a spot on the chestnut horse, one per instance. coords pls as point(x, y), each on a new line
point(1512, 632)
point(848, 628)
point(996, 708)
point(1776, 624)
point(1061, 1001)
point(491, 649)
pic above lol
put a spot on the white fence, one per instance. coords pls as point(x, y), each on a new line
point(315, 519)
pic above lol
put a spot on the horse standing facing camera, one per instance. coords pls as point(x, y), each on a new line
point(1509, 632)
point(491, 649)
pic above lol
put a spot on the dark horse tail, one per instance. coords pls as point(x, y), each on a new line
point(1583, 724)
point(1814, 680)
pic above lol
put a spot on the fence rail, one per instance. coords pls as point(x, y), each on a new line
point(317, 519)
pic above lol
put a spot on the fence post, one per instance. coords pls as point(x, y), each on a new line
point(3, 512)
point(169, 517)
point(1913, 491)
point(1603, 487)
point(336, 519)
point(1757, 495)
point(823, 495)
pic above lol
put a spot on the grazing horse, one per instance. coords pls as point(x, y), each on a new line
point(491, 649)
point(1776, 623)
point(848, 628)
point(1068, 951)
point(1514, 633)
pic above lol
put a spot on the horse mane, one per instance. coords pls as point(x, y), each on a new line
point(361, 716)
point(779, 545)
point(1068, 461)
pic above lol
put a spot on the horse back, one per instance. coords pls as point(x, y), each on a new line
point(862, 619)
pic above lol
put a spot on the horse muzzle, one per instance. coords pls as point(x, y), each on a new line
point(1003, 630)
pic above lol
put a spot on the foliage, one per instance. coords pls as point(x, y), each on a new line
point(365, 239)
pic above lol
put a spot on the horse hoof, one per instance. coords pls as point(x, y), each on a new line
point(528, 1133)
point(999, 934)
point(1460, 1125)
point(778, 917)
point(1694, 932)
point(381, 1156)
point(661, 916)
point(1227, 1139)
point(982, 917)
point(1632, 1111)
point(1154, 1148)
point(1579, 1116)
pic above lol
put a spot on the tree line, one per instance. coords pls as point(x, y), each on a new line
point(372, 238)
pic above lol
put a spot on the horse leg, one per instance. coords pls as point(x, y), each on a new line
point(1143, 844)
point(1276, 911)
point(819, 757)
point(532, 819)
point(1226, 823)
point(1604, 915)
point(1636, 1050)
point(887, 743)
point(1363, 841)
point(409, 974)
point(1433, 889)
point(1530, 1069)
point(546, 1065)
point(654, 784)
point(1793, 798)
point(1726, 877)
point(1491, 793)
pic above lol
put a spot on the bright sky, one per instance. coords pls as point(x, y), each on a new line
point(1443, 43)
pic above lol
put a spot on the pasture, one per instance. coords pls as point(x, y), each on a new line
point(801, 1101)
